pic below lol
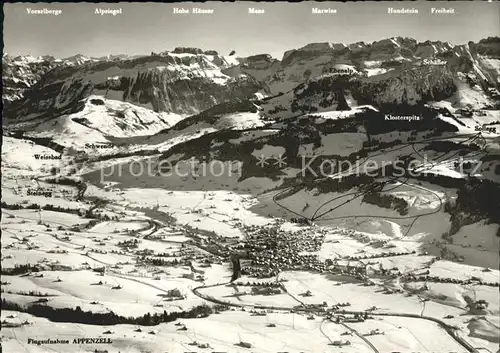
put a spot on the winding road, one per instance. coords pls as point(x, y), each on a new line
point(450, 330)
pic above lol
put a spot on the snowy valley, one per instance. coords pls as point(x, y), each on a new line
point(342, 199)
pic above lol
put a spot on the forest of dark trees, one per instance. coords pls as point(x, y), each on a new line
point(477, 200)
point(387, 201)
point(20, 270)
point(35, 206)
point(79, 316)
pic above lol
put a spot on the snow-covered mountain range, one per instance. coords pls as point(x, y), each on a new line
point(189, 80)
point(364, 175)
point(176, 103)
point(19, 73)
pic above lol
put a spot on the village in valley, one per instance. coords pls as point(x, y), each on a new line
point(96, 260)
point(327, 190)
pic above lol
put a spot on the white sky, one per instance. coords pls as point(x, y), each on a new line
point(147, 27)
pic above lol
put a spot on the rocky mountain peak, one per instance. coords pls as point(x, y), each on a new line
point(187, 84)
point(187, 50)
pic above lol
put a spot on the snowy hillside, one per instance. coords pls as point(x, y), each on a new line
point(344, 198)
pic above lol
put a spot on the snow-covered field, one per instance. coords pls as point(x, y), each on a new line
point(146, 244)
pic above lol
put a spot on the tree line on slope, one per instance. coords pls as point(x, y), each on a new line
point(77, 315)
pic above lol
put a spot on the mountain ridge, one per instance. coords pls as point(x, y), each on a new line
point(317, 77)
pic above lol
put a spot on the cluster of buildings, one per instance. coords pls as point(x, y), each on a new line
point(272, 250)
point(436, 279)
point(266, 290)
point(380, 255)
